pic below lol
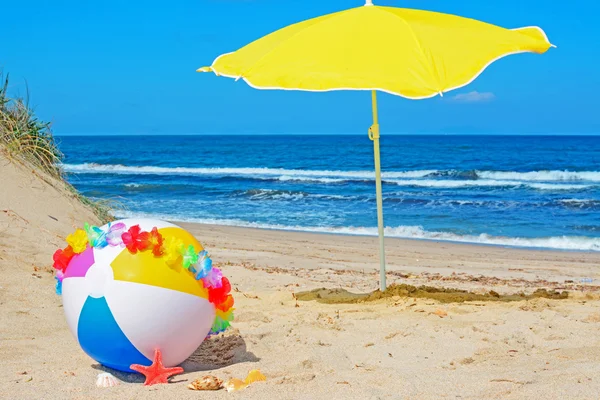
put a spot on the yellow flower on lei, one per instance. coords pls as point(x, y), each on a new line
point(78, 241)
point(171, 253)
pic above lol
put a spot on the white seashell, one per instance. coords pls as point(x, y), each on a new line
point(106, 379)
point(207, 382)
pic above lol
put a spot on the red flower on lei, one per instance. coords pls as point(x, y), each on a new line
point(219, 295)
point(226, 305)
point(62, 258)
point(156, 242)
point(135, 240)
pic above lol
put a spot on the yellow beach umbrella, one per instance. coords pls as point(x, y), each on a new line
point(410, 53)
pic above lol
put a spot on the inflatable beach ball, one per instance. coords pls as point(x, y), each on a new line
point(125, 295)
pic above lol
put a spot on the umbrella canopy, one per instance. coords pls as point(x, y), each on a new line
point(411, 53)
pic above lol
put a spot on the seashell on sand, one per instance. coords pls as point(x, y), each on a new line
point(254, 376)
point(106, 379)
point(235, 384)
point(207, 382)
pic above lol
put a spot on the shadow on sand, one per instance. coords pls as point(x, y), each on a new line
point(218, 351)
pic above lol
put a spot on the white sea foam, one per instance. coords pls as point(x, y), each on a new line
point(580, 203)
point(409, 232)
point(555, 186)
point(542, 176)
point(310, 179)
point(273, 194)
point(280, 172)
point(483, 178)
point(447, 183)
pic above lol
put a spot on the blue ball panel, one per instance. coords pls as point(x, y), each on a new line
point(102, 339)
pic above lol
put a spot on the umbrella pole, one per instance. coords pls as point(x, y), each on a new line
point(374, 136)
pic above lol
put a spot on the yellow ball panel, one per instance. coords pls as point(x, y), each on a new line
point(145, 268)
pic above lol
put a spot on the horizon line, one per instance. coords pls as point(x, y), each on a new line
point(321, 134)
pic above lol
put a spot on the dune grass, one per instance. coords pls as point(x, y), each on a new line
point(27, 138)
point(25, 135)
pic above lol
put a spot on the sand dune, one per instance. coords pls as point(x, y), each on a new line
point(36, 212)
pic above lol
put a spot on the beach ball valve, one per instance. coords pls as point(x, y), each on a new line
point(136, 286)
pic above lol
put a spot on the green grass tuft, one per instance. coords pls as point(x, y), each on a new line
point(30, 140)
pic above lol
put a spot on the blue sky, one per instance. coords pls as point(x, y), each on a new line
point(129, 67)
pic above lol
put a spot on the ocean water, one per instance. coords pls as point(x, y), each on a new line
point(532, 191)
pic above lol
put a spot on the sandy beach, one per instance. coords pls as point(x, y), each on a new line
point(398, 347)
point(341, 126)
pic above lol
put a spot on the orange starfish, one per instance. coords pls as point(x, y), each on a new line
point(156, 373)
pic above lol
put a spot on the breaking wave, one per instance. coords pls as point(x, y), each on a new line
point(486, 183)
point(542, 176)
point(273, 194)
point(91, 168)
point(538, 180)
